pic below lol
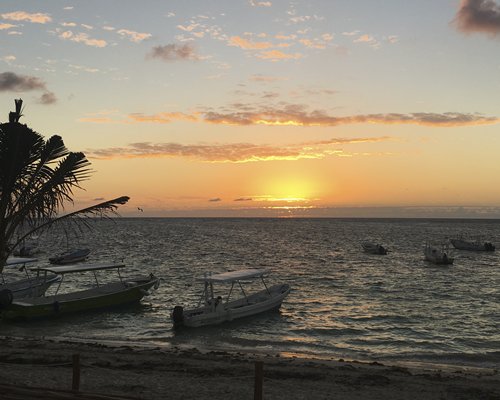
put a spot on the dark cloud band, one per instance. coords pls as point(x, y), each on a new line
point(478, 16)
point(173, 52)
point(10, 81)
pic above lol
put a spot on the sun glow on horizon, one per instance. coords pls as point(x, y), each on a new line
point(289, 207)
point(288, 189)
point(282, 199)
point(278, 123)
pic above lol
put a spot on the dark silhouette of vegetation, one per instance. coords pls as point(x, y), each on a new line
point(37, 178)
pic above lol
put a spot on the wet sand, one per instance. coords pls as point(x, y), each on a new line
point(159, 373)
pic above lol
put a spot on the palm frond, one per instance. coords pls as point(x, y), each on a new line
point(80, 217)
point(37, 179)
point(47, 196)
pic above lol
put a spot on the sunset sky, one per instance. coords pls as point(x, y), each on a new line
point(266, 108)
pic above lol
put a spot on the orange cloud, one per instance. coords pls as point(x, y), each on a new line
point(297, 115)
point(234, 152)
point(135, 118)
point(364, 38)
point(247, 44)
point(312, 44)
point(162, 118)
point(38, 18)
point(6, 26)
point(368, 39)
point(276, 55)
point(133, 36)
point(82, 38)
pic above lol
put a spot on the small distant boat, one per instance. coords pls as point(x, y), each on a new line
point(373, 248)
point(70, 257)
point(438, 256)
point(28, 248)
point(472, 245)
point(31, 286)
point(103, 295)
point(213, 310)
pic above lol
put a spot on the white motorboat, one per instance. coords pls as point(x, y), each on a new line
point(437, 255)
point(103, 295)
point(213, 310)
point(472, 245)
point(373, 248)
point(70, 257)
point(30, 286)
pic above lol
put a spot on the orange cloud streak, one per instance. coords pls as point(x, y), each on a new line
point(232, 153)
point(276, 55)
point(243, 43)
point(162, 118)
point(297, 115)
point(37, 18)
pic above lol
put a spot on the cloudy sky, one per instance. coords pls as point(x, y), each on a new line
point(247, 107)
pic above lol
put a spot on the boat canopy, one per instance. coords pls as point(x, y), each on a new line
point(66, 269)
point(233, 276)
point(19, 260)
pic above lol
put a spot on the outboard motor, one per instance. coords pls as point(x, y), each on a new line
point(178, 315)
point(6, 298)
point(489, 247)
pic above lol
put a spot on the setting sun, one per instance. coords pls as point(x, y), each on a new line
point(288, 190)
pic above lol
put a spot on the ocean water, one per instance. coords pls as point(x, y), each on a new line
point(344, 303)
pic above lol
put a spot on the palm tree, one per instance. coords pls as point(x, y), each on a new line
point(37, 178)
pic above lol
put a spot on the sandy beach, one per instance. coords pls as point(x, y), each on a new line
point(158, 373)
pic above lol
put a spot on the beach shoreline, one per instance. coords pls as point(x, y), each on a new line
point(184, 373)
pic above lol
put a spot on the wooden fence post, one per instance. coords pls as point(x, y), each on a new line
point(259, 378)
point(76, 373)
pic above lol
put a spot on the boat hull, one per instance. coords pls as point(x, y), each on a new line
point(372, 248)
point(438, 257)
point(106, 296)
point(471, 246)
point(257, 303)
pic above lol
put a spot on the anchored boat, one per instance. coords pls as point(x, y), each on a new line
point(215, 310)
point(373, 248)
point(437, 255)
point(472, 245)
point(70, 257)
point(102, 295)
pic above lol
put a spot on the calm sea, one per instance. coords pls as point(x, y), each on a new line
point(344, 303)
